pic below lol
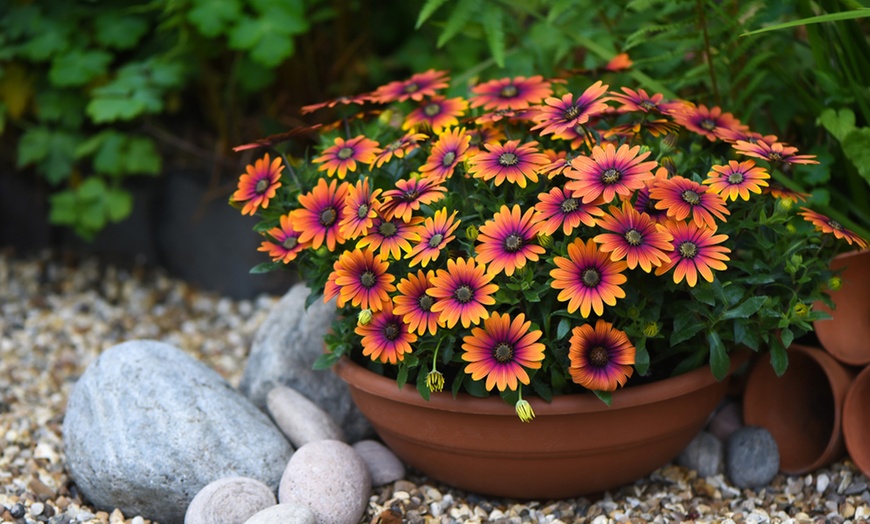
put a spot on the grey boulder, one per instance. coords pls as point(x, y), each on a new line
point(283, 353)
point(751, 457)
point(148, 426)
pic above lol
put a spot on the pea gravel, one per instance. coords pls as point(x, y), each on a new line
point(57, 313)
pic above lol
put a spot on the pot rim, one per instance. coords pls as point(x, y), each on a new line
point(363, 379)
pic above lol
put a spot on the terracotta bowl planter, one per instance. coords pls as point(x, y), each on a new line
point(856, 421)
point(576, 445)
point(802, 409)
point(847, 335)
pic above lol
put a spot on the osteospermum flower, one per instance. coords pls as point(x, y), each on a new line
point(644, 204)
point(696, 251)
point(435, 233)
point(483, 135)
point(559, 209)
point(776, 153)
point(450, 149)
point(409, 195)
point(506, 240)
point(557, 163)
point(414, 305)
point(634, 237)
point(737, 179)
point(502, 350)
point(683, 198)
point(284, 245)
point(387, 337)
point(437, 113)
point(259, 184)
point(588, 278)
point(556, 115)
point(392, 237)
point(788, 195)
point(343, 100)
point(509, 161)
point(705, 121)
point(601, 357)
point(639, 100)
point(510, 93)
point(342, 156)
point(399, 148)
point(318, 219)
point(360, 209)
point(417, 87)
point(462, 290)
point(362, 280)
point(609, 172)
point(745, 134)
point(829, 225)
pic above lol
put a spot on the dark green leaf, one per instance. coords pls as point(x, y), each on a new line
point(778, 356)
point(720, 363)
point(265, 267)
point(604, 396)
point(402, 376)
point(787, 337)
point(119, 204)
point(212, 17)
point(641, 358)
point(563, 328)
point(746, 309)
point(458, 19)
point(325, 361)
point(428, 10)
point(685, 327)
point(78, 67)
point(63, 208)
point(93, 188)
point(120, 31)
point(492, 26)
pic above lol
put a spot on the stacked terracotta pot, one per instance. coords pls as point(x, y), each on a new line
point(819, 408)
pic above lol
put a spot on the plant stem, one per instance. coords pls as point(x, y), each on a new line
point(708, 56)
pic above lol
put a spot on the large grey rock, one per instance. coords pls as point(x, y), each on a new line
point(283, 353)
point(751, 457)
point(330, 478)
point(147, 427)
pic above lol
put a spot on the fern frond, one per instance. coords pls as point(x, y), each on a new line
point(494, 30)
point(428, 10)
point(459, 18)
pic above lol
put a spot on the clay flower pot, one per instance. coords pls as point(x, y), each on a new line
point(856, 421)
point(802, 409)
point(847, 335)
point(575, 446)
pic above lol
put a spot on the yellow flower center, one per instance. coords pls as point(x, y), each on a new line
point(688, 249)
point(708, 124)
point(835, 225)
point(774, 157)
point(611, 176)
point(432, 109)
point(262, 185)
point(503, 352)
point(463, 294)
point(508, 159)
point(633, 237)
point(571, 113)
point(391, 331)
point(591, 277)
point(425, 302)
point(508, 91)
point(691, 197)
point(368, 279)
point(598, 357)
point(435, 240)
point(412, 87)
point(569, 205)
point(327, 217)
point(735, 178)
point(448, 158)
point(362, 211)
point(344, 153)
point(646, 105)
point(387, 229)
point(289, 243)
point(513, 243)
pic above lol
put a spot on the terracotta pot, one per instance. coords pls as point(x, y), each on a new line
point(856, 421)
point(575, 446)
point(847, 335)
point(802, 409)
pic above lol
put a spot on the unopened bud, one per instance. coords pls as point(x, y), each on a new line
point(651, 329)
point(544, 240)
point(801, 310)
point(364, 317)
point(524, 410)
point(668, 163)
point(471, 233)
point(435, 381)
point(835, 283)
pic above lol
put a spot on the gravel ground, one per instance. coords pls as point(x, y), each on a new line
point(58, 313)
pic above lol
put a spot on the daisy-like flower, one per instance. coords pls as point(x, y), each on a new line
point(609, 172)
point(705, 121)
point(391, 237)
point(342, 156)
point(435, 233)
point(556, 115)
point(736, 179)
point(509, 161)
point(399, 148)
point(601, 358)
point(559, 209)
point(259, 184)
point(588, 278)
point(414, 305)
point(788, 195)
point(558, 162)
point(639, 100)
point(696, 251)
point(437, 113)
point(483, 135)
point(318, 219)
point(360, 209)
point(634, 237)
point(343, 100)
point(743, 133)
point(829, 225)
point(387, 337)
point(409, 195)
point(462, 291)
point(510, 93)
point(619, 62)
point(506, 240)
point(362, 280)
point(284, 244)
point(502, 350)
point(774, 153)
point(450, 149)
point(644, 204)
point(417, 87)
point(682, 198)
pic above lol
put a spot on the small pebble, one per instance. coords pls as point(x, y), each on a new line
point(37, 508)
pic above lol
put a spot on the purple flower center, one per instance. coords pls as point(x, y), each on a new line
point(344, 153)
point(387, 229)
point(503, 352)
point(569, 205)
point(391, 331)
point(708, 124)
point(571, 113)
point(774, 157)
point(646, 105)
point(362, 211)
point(835, 225)
point(435, 240)
point(289, 243)
point(411, 87)
point(598, 357)
point(425, 302)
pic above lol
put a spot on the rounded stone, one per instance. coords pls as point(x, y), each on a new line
point(330, 478)
point(703, 454)
point(231, 500)
point(301, 420)
point(147, 427)
point(751, 457)
point(285, 514)
point(384, 466)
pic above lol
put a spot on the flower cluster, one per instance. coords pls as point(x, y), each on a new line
point(555, 235)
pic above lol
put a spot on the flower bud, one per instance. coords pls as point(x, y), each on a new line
point(668, 163)
point(544, 240)
point(435, 381)
point(524, 410)
point(651, 329)
point(633, 312)
point(801, 310)
point(794, 264)
point(471, 233)
point(835, 283)
point(784, 204)
point(669, 141)
point(364, 317)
